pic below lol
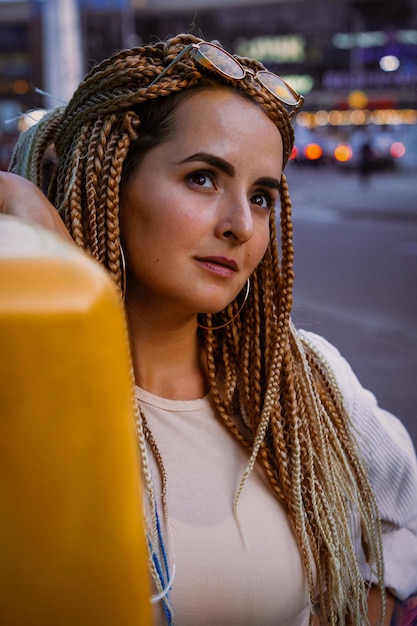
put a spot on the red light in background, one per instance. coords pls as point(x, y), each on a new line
point(343, 153)
point(294, 153)
point(397, 150)
point(313, 151)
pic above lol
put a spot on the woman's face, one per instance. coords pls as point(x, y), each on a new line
point(195, 213)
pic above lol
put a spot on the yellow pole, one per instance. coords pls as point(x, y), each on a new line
point(72, 545)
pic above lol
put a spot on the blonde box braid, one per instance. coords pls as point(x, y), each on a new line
point(292, 418)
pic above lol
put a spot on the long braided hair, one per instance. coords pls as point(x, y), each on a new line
point(293, 421)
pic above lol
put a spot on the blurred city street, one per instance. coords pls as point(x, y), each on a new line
point(356, 274)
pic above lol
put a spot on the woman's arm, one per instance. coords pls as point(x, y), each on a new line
point(22, 199)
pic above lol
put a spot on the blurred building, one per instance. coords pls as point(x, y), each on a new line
point(328, 48)
point(344, 56)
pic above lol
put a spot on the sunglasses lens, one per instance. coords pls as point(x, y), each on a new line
point(278, 87)
point(212, 57)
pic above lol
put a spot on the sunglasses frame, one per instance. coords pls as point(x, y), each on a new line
point(194, 50)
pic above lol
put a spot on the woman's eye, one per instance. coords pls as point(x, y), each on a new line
point(264, 200)
point(201, 179)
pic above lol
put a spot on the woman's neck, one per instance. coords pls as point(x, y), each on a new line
point(168, 361)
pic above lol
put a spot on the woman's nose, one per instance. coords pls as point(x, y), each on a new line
point(236, 221)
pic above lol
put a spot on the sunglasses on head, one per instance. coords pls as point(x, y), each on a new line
point(216, 59)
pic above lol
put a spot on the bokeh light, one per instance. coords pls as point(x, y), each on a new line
point(389, 63)
point(397, 150)
point(313, 151)
point(343, 153)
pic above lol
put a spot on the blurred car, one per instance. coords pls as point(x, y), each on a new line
point(311, 146)
point(369, 148)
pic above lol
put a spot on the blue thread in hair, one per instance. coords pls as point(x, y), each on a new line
point(166, 605)
point(162, 569)
point(162, 545)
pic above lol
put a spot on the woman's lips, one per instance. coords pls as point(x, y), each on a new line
point(222, 266)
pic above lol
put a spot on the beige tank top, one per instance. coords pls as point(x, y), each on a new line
point(224, 576)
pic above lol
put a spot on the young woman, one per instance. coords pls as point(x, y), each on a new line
point(277, 489)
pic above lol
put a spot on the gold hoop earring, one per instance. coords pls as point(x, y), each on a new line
point(247, 290)
point(123, 267)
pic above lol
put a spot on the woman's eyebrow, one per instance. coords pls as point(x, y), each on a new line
point(267, 181)
point(211, 159)
point(225, 166)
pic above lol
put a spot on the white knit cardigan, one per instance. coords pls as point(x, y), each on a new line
point(392, 466)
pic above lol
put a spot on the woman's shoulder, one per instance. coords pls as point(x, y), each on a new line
point(369, 419)
point(340, 369)
point(360, 403)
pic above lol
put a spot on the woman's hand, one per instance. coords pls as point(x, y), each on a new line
point(22, 199)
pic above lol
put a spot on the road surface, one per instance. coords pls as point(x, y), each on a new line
point(356, 275)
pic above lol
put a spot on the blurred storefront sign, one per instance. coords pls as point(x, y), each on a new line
point(374, 38)
point(279, 49)
point(369, 79)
